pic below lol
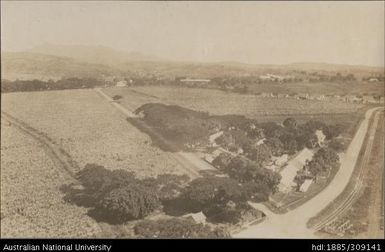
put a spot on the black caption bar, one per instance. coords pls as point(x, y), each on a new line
point(107, 245)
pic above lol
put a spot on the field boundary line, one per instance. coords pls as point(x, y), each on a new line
point(48, 145)
point(189, 169)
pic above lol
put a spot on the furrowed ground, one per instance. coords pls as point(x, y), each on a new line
point(32, 204)
point(90, 130)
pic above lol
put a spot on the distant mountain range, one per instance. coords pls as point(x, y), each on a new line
point(93, 54)
point(58, 61)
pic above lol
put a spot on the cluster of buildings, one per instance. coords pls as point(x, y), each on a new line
point(287, 167)
point(117, 81)
point(276, 78)
point(365, 99)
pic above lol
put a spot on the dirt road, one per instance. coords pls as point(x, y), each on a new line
point(353, 194)
point(191, 163)
point(294, 223)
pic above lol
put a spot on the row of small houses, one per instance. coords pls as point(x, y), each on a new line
point(302, 96)
point(344, 98)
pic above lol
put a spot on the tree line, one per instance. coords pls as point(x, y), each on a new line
point(39, 85)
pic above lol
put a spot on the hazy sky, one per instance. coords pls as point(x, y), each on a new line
point(251, 32)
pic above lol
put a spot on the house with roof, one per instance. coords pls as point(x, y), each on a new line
point(213, 137)
point(209, 157)
point(289, 172)
point(281, 160)
point(320, 137)
point(373, 80)
point(302, 96)
point(121, 83)
point(305, 186)
point(199, 217)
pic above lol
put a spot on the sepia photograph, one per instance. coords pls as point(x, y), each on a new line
point(192, 119)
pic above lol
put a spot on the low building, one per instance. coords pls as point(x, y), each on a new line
point(354, 98)
point(261, 141)
point(303, 96)
point(281, 160)
point(289, 172)
point(274, 77)
point(190, 80)
point(320, 137)
point(199, 217)
point(305, 186)
point(209, 157)
point(121, 83)
point(213, 137)
point(373, 80)
point(266, 95)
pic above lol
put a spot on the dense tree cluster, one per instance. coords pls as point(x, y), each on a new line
point(39, 85)
point(133, 201)
point(257, 182)
point(184, 127)
point(222, 199)
point(187, 128)
point(176, 228)
point(232, 213)
point(204, 192)
point(244, 170)
point(292, 137)
point(324, 160)
point(117, 196)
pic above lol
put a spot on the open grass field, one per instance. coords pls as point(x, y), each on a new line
point(90, 130)
point(32, 204)
point(219, 102)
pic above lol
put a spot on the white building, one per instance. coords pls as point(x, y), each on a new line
point(279, 161)
point(305, 186)
point(189, 80)
point(289, 172)
point(197, 217)
point(320, 137)
point(209, 157)
point(261, 141)
point(373, 80)
point(213, 137)
point(121, 83)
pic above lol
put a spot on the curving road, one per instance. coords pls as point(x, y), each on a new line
point(293, 223)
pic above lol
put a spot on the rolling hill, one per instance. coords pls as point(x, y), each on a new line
point(26, 65)
point(93, 54)
point(55, 61)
